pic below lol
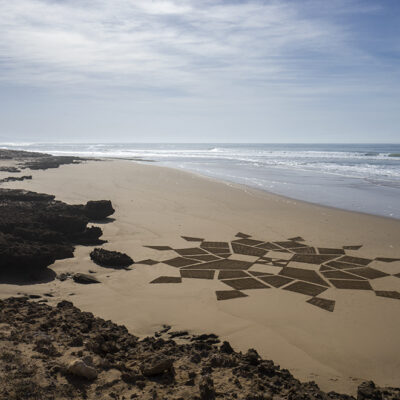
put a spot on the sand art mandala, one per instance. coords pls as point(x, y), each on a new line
point(246, 264)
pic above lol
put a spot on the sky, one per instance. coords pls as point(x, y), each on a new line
point(200, 71)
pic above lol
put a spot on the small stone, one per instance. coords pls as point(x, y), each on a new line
point(84, 279)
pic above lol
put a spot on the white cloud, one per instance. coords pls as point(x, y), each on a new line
point(190, 47)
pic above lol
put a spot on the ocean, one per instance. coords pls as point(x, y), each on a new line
point(356, 177)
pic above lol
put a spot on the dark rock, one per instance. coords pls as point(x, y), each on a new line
point(252, 357)
point(157, 366)
point(15, 178)
point(84, 278)
point(36, 230)
point(113, 259)
point(206, 388)
point(368, 391)
point(48, 162)
point(99, 209)
point(9, 169)
point(226, 348)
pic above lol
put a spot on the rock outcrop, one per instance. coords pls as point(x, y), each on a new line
point(99, 209)
point(36, 230)
point(63, 353)
point(110, 259)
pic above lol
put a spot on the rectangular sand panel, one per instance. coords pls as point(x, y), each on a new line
point(325, 304)
point(245, 284)
point(290, 244)
point(194, 251)
point(388, 260)
point(248, 242)
point(341, 275)
point(226, 274)
point(369, 273)
point(167, 279)
point(303, 275)
point(355, 260)
point(388, 294)
point(323, 250)
point(180, 262)
point(223, 264)
point(192, 239)
point(215, 244)
point(229, 294)
point(268, 246)
point(305, 250)
point(206, 257)
point(342, 265)
point(197, 274)
point(305, 288)
point(247, 250)
point(347, 284)
point(313, 258)
point(276, 280)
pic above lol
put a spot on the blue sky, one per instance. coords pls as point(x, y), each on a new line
point(200, 71)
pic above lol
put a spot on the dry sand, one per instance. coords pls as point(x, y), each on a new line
point(156, 206)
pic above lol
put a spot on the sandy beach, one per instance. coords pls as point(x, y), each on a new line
point(156, 206)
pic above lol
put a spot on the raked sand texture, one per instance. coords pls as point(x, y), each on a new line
point(300, 289)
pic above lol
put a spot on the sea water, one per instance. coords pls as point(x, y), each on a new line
point(357, 177)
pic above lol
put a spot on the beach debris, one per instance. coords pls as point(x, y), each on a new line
point(82, 368)
point(84, 278)
point(99, 209)
point(111, 259)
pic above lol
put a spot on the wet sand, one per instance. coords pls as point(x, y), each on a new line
point(155, 206)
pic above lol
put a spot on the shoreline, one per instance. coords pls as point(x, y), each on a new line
point(244, 187)
point(155, 206)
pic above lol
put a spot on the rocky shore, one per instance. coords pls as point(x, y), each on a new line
point(63, 353)
point(36, 230)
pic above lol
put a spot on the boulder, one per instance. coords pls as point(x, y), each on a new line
point(84, 279)
point(82, 369)
point(99, 209)
point(113, 259)
point(157, 366)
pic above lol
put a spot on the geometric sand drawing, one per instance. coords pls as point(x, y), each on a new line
point(246, 265)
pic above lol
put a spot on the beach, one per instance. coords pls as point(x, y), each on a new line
point(156, 206)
